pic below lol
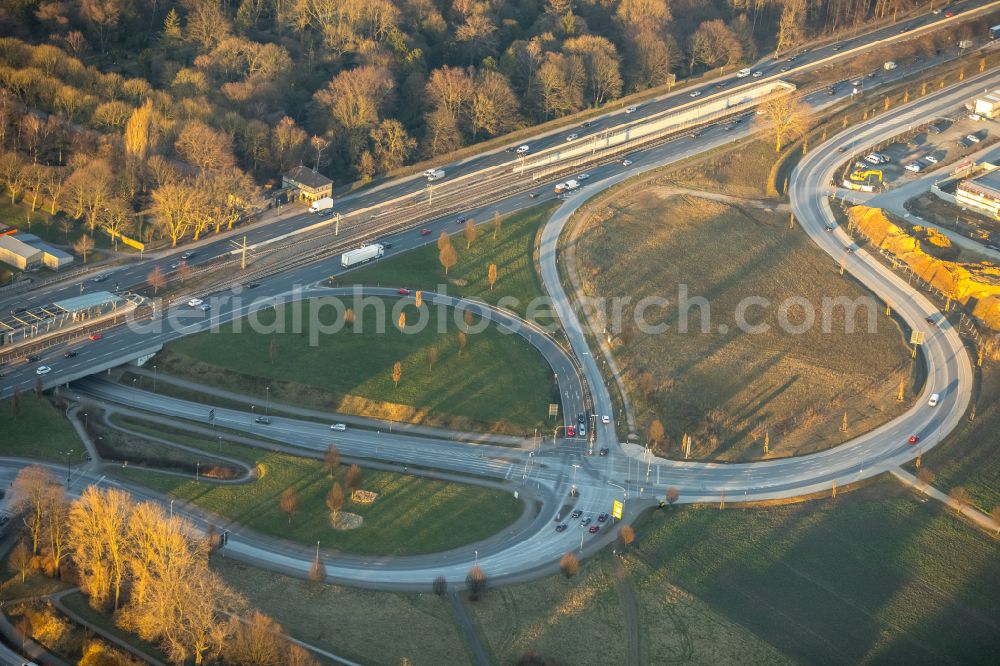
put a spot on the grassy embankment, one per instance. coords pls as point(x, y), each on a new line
point(725, 388)
point(513, 252)
point(497, 383)
point(412, 515)
point(39, 431)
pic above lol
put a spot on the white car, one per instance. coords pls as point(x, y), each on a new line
point(975, 116)
point(935, 399)
point(914, 167)
point(631, 109)
point(605, 419)
point(931, 159)
point(195, 302)
point(626, 162)
point(743, 73)
point(758, 74)
point(43, 370)
point(521, 150)
point(695, 93)
point(583, 176)
point(972, 137)
point(338, 426)
point(573, 137)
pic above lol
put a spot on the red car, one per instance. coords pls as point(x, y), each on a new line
point(595, 529)
point(913, 439)
point(404, 292)
point(570, 431)
point(949, 14)
point(425, 232)
point(94, 336)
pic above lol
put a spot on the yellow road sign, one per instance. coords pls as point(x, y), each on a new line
point(617, 510)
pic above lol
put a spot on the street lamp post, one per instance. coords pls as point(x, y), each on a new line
point(154, 379)
point(267, 407)
point(477, 557)
point(69, 457)
point(251, 418)
point(171, 508)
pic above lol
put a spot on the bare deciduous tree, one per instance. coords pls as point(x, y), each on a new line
point(626, 535)
point(961, 497)
point(448, 257)
point(569, 565)
point(431, 354)
point(289, 502)
point(470, 232)
point(673, 495)
point(33, 489)
point(335, 500)
point(83, 246)
point(462, 341)
point(20, 559)
point(491, 275)
point(397, 373)
point(98, 522)
point(475, 583)
point(786, 118)
point(655, 432)
point(354, 477)
point(331, 459)
point(156, 279)
point(440, 586)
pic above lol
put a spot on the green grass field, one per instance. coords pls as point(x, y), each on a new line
point(362, 625)
point(723, 387)
point(513, 252)
point(497, 383)
point(875, 576)
point(970, 457)
point(412, 515)
point(860, 579)
point(41, 431)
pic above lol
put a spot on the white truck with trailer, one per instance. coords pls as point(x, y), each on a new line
point(361, 255)
point(568, 186)
point(320, 205)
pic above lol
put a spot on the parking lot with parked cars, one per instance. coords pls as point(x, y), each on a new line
point(945, 140)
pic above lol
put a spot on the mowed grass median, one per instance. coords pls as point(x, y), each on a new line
point(511, 248)
point(412, 515)
point(496, 382)
point(786, 366)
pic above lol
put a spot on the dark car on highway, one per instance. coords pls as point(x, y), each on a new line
point(561, 528)
point(263, 419)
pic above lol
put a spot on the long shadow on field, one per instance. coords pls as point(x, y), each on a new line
point(824, 583)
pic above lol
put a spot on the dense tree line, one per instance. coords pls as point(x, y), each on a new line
point(360, 87)
point(147, 567)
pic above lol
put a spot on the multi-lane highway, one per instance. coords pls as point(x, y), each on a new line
point(367, 225)
point(602, 479)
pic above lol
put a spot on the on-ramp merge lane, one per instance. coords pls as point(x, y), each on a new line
point(873, 453)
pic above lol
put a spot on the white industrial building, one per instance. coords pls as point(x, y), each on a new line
point(981, 194)
point(988, 106)
point(52, 257)
point(19, 254)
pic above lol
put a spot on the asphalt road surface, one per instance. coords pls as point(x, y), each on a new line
point(601, 480)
